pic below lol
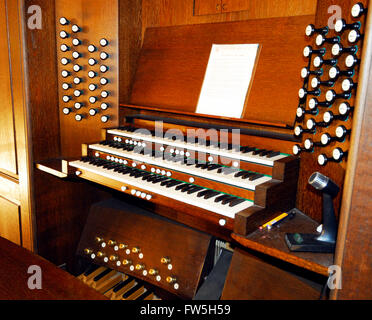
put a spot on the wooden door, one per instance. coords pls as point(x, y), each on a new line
point(15, 200)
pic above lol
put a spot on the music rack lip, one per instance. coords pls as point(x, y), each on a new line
point(191, 123)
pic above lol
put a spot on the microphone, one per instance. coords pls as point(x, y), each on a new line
point(325, 242)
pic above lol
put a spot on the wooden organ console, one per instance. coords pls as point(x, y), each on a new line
point(165, 184)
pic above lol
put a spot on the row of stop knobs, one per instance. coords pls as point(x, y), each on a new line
point(128, 262)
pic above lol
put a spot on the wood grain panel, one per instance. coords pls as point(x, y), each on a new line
point(97, 20)
point(16, 25)
point(10, 221)
point(250, 278)
point(8, 158)
point(56, 283)
point(309, 199)
point(202, 7)
point(9, 188)
point(269, 8)
point(353, 251)
point(174, 59)
point(124, 224)
point(156, 13)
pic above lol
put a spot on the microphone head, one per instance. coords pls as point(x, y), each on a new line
point(324, 184)
point(318, 180)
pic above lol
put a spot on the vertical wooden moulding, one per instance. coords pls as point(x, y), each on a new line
point(16, 12)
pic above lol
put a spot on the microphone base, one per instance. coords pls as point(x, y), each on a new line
point(306, 242)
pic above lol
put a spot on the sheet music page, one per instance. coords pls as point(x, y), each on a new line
point(227, 80)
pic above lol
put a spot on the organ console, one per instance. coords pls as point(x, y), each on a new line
point(161, 202)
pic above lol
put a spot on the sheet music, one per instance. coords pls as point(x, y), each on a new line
point(227, 80)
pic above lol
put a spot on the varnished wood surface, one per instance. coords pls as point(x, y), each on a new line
point(10, 221)
point(254, 9)
point(353, 250)
point(308, 199)
point(271, 242)
point(173, 62)
point(7, 129)
point(16, 50)
point(250, 279)
point(97, 20)
point(159, 13)
point(56, 283)
point(156, 238)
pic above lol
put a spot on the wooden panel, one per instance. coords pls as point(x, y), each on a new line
point(173, 63)
point(56, 283)
point(43, 85)
point(130, 41)
point(309, 199)
point(202, 7)
point(249, 278)
point(97, 20)
point(10, 221)
point(156, 13)
point(269, 8)
point(7, 134)
point(124, 224)
point(16, 21)
point(353, 251)
point(9, 188)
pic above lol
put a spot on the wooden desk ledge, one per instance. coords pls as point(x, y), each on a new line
point(272, 243)
point(56, 284)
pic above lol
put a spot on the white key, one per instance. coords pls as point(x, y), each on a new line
point(167, 164)
point(250, 157)
point(192, 199)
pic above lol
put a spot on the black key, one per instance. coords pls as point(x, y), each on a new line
point(132, 290)
point(240, 173)
point(101, 275)
point(211, 194)
point(186, 188)
point(91, 269)
point(179, 187)
point(173, 183)
point(205, 165)
point(256, 176)
point(152, 178)
point(258, 151)
point(264, 153)
point(273, 154)
point(236, 201)
point(165, 182)
point(199, 164)
point(133, 173)
point(202, 193)
point(212, 167)
point(247, 149)
point(247, 175)
point(159, 180)
point(140, 174)
point(122, 284)
point(146, 176)
point(227, 200)
point(194, 189)
point(144, 295)
point(222, 197)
